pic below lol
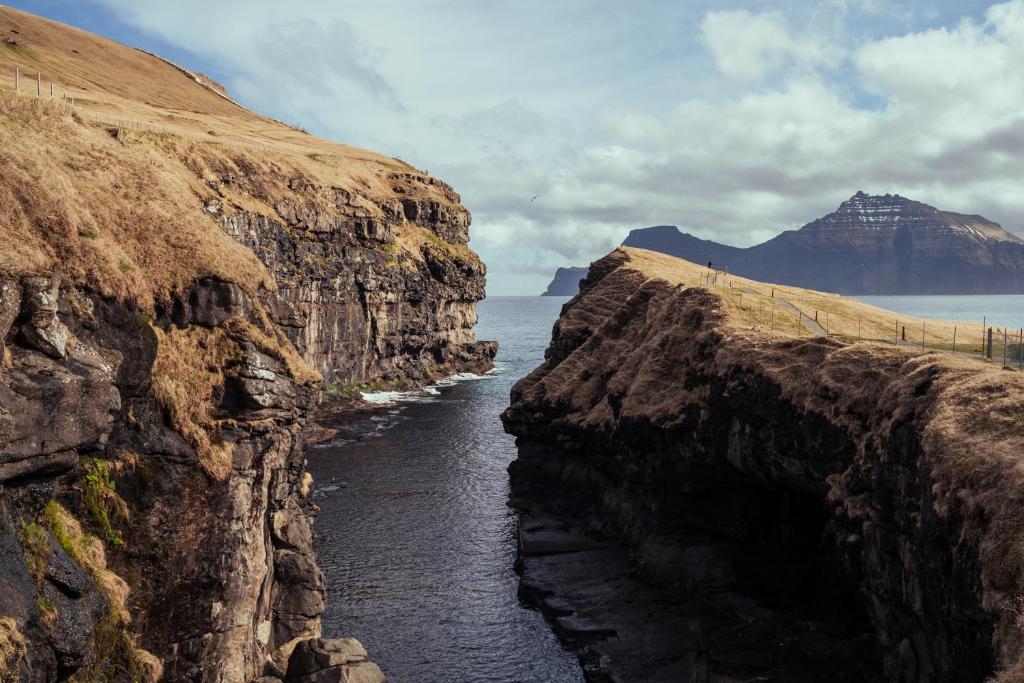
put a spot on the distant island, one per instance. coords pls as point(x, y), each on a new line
point(566, 281)
point(872, 244)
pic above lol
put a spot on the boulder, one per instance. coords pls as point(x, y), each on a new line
point(335, 660)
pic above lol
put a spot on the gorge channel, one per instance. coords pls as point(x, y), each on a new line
point(414, 536)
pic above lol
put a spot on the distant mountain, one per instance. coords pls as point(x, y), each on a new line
point(566, 281)
point(872, 244)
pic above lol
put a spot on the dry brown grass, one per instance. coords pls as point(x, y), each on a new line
point(187, 373)
point(122, 209)
point(276, 345)
point(753, 305)
point(111, 194)
point(75, 202)
point(12, 649)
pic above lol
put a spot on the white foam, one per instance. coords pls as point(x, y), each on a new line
point(383, 398)
point(427, 393)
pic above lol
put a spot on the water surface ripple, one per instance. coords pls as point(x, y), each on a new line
point(414, 536)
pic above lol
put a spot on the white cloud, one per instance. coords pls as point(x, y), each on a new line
point(749, 46)
point(733, 125)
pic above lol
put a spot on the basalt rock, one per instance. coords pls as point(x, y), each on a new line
point(701, 501)
point(172, 302)
point(355, 308)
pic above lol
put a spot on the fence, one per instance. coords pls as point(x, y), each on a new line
point(34, 84)
point(795, 311)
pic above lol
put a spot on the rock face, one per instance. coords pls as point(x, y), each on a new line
point(218, 553)
point(566, 282)
point(172, 302)
point(705, 501)
point(869, 245)
point(351, 306)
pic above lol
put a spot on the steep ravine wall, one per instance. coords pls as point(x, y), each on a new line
point(163, 344)
point(814, 487)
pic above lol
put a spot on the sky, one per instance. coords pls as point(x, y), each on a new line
point(565, 124)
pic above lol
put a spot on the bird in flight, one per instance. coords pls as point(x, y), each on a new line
point(534, 197)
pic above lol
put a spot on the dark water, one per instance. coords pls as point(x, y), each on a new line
point(1005, 310)
point(414, 537)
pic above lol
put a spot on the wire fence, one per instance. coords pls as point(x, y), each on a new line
point(793, 310)
point(34, 84)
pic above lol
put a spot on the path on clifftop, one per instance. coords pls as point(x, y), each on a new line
point(809, 323)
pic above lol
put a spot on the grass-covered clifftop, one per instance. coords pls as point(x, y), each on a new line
point(177, 277)
point(808, 507)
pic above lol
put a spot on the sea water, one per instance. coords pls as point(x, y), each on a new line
point(414, 536)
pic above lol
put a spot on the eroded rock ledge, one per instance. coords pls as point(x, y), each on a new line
point(704, 500)
point(154, 519)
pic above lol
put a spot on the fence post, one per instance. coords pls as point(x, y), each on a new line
point(39, 84)
point(903, 334)
point(51, 88)
point(954, 340)
point(984, 326)
point(988, 351)
point(17, 79)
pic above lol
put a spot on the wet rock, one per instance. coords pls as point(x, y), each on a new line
point(337, 660)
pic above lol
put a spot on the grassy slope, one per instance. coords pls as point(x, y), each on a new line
point(763, 306)
point(111, 191)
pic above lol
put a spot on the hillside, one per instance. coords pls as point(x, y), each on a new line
point(870, 245)
point(704, 496)
point(182, 280)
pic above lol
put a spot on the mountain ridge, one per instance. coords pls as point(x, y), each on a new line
point(871, 244)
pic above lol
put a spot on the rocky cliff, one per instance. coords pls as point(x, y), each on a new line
point(566, 281)
point(174, 292)
point(703, 499)
point(872, 244)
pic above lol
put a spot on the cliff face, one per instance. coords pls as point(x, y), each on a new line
point(869, 245)
point(566, 281)
point(795, 508)
point(371, 290)
point(171, 298)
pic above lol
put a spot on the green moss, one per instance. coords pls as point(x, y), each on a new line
point(125, 267)
point(98, 490)
point(52, 515)
point(46, 608)
point(115, 654)
point(37, 550)
point(332, 391)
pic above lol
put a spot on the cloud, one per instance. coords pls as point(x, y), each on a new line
point(733, 124)
point(749, 46)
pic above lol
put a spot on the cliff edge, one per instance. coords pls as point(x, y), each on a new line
point(703, 495)
point(180, 277)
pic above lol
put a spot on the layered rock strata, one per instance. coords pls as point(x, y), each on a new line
point(170, 309)
point(703, 500)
